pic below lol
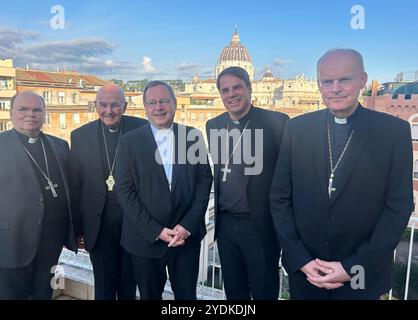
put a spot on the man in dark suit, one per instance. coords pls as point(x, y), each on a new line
point(247, 244)
point(94, 153)
point(164, 181)
point(35, 214)
point(342, 191)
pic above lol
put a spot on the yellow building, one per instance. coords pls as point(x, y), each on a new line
point(7, 91)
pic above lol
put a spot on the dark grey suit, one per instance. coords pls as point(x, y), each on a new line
point(23, 218)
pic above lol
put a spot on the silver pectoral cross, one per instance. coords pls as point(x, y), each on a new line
point(330, 188)
point(225, 171)
point(52, 187)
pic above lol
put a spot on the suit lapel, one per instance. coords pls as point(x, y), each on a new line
point(220, 125)
point(22, 160)
point(62, 161)
point(176, 166)
point(361, 133)
point(320, 152)
point(151, 145)
point(94, 151)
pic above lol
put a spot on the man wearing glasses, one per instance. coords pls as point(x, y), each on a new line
point(342, 190)
point(93, 156)
point(164, 191)
point(35, 204)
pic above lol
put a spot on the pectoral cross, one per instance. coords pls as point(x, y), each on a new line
point(225, 171)
point(330, 188)
point(110, 183)
point(52, 187)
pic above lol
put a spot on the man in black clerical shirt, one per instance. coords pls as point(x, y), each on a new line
point(243, 169)
point(342, 195)
point(93, 156)
point(35, 214)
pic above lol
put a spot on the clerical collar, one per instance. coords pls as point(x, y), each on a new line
point(242, 120)
point(340, 120)
point(113, 130)
point(27, 139)
point(348, 120)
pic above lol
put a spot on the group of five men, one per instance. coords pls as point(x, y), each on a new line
point(331, 189)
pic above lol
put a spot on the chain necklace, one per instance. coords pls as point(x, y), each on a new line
point(225, 170)
point(331, 177)
point(51, 186)
point(110, 182)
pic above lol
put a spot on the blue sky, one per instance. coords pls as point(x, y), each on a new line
point(175, 39)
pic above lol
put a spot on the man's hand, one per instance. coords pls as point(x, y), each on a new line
point(167, 235)
point(330, 280)
point(180, 238)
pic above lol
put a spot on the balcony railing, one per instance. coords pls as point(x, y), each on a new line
point(210, 287)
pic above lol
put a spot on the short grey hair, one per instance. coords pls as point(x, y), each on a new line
point(156, 83)
point(12, 100)
point(353, 52)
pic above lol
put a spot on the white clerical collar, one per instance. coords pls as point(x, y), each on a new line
point(113, 130)
point(340, 120)
point(33, 140)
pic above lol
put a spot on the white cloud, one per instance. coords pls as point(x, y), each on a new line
point(147, 65)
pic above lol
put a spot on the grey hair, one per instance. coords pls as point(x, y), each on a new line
point(156, 83)
point(12, 100)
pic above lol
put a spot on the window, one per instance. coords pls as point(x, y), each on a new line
point(75, 97)
point(200, 116)
point(61, 97)
point(3, 84)
point(48, 118)
point(63, 121)
point(407, 97)
point(76, 118)
point(47, 96)
point(414, 132)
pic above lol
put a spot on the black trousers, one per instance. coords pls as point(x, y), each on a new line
point(112, 265)
point(34, 280)
point(182, 264)
point(249, 269)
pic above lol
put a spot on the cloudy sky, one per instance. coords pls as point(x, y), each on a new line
point(163, 39)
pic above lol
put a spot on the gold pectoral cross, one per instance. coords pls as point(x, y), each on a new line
point(110, 183)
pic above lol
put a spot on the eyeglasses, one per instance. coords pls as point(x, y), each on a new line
point(26, 110)
point(162, 102)
point(344, 81)
point(112, 106)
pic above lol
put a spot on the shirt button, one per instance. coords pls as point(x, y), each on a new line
point(39, 220)
point(41, 200)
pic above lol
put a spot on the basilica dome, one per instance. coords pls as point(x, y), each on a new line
point(235, 51)
point(235, 54)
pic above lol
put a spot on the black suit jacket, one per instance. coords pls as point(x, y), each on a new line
point(272, 124)
point(21, 201)
point(365, 218)
point(87, 174)
point(145, 197)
